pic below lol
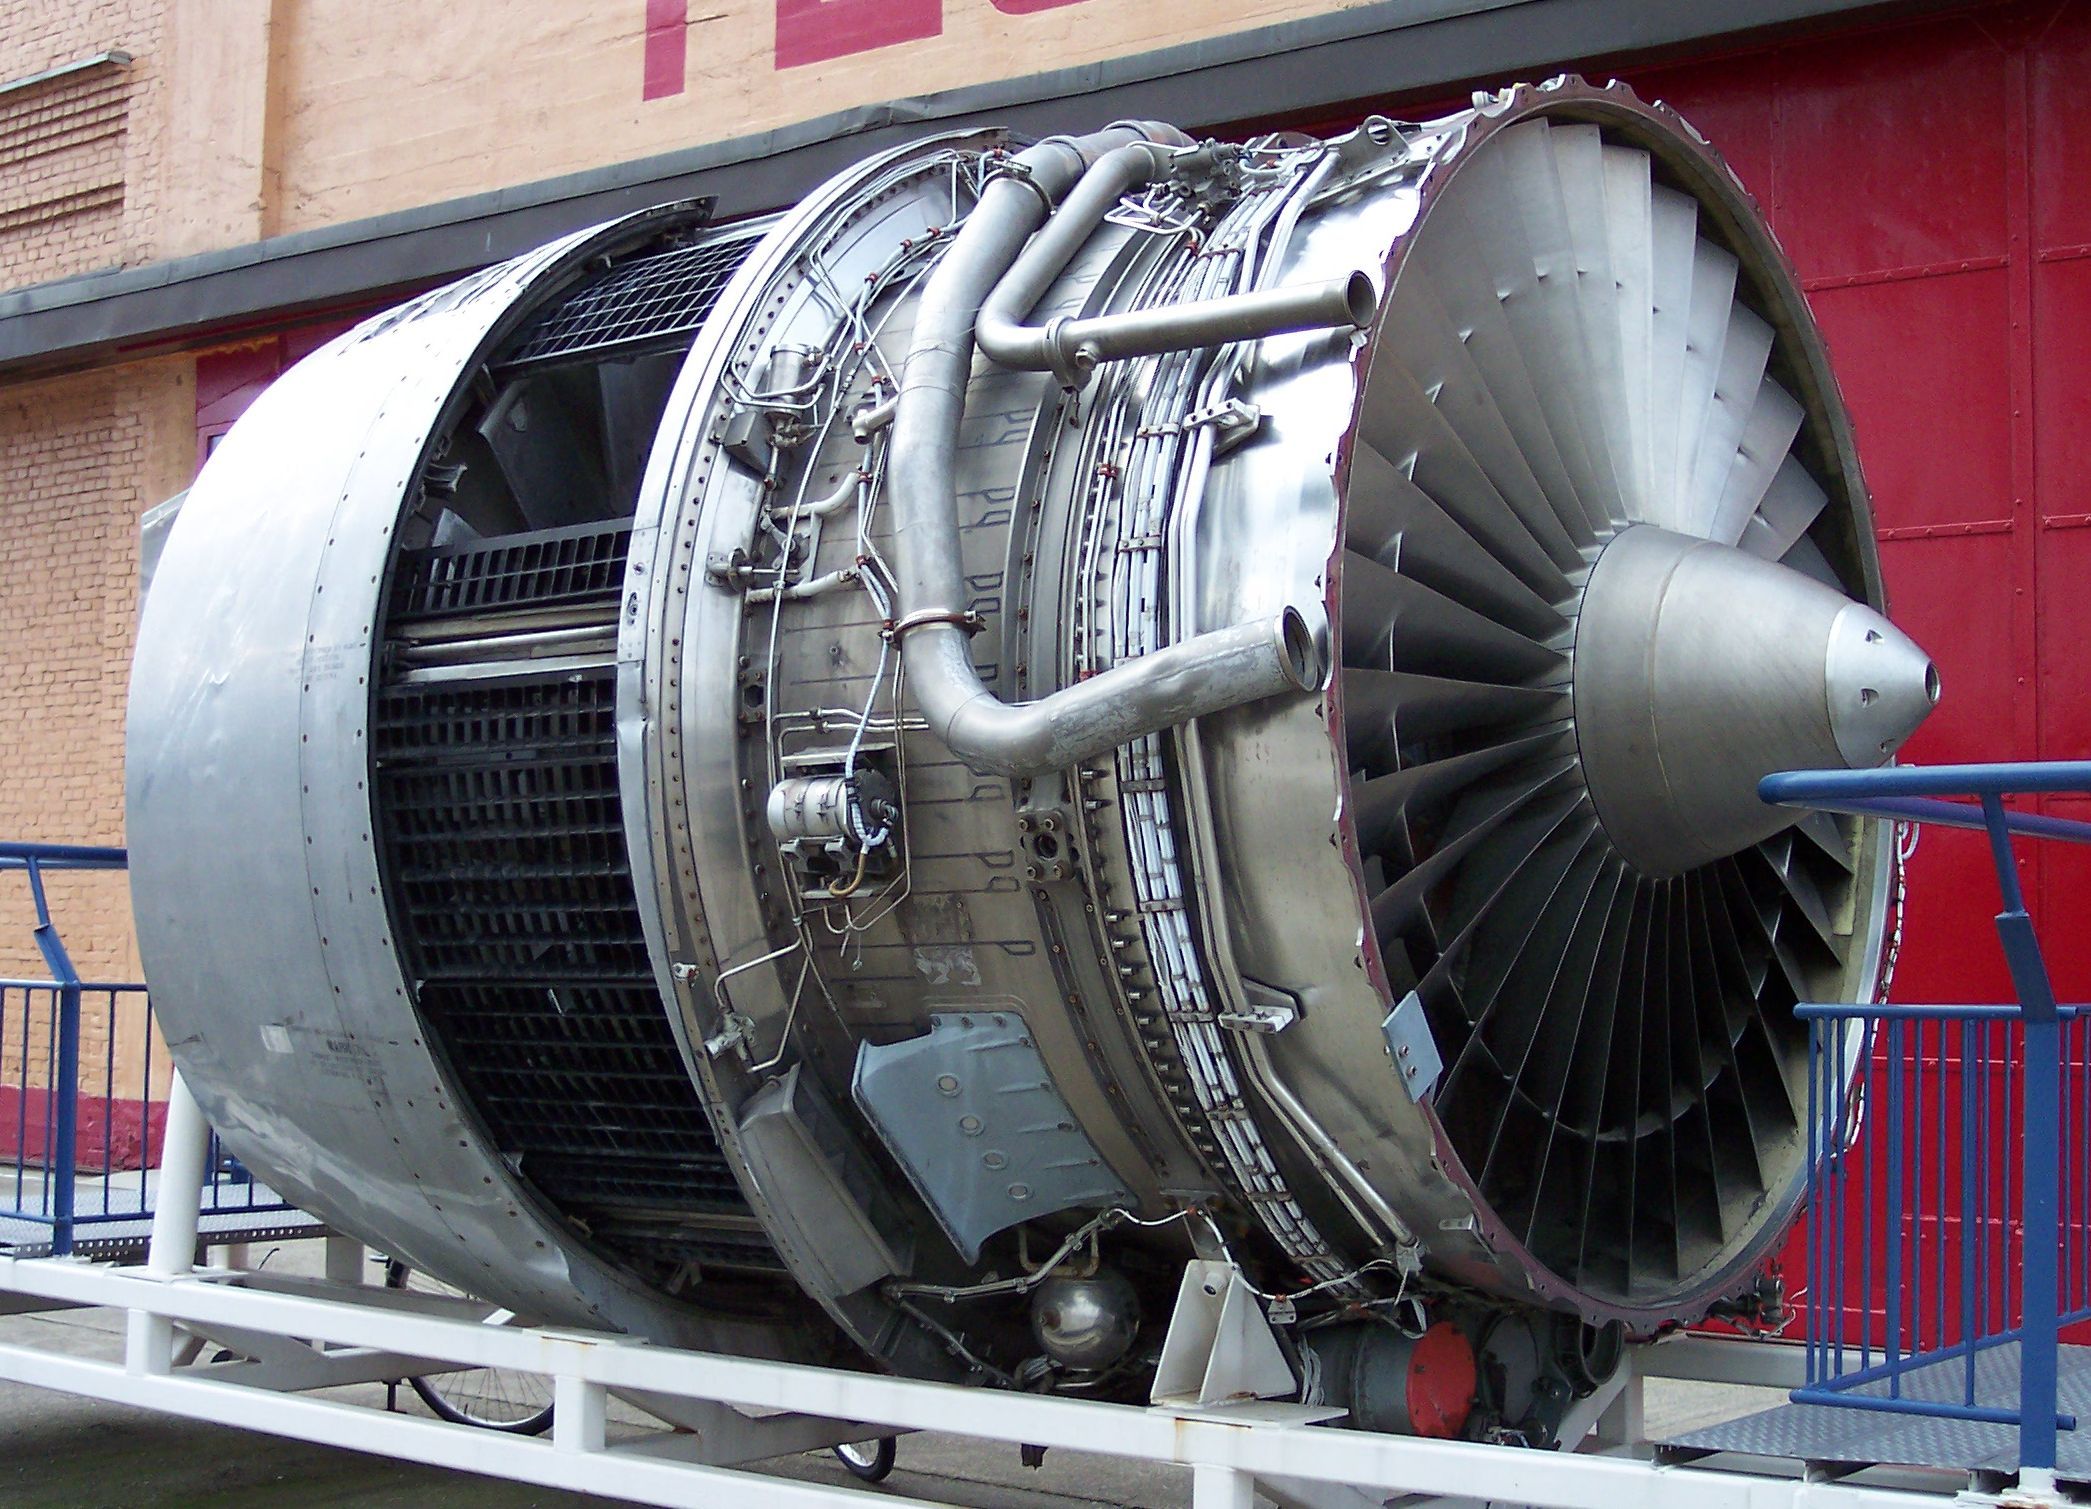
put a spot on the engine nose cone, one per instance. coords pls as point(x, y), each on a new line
point(1700, 668)
point(1880, 686)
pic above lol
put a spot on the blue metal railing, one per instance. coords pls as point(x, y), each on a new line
point(1942, 1140)
point(73, 1176)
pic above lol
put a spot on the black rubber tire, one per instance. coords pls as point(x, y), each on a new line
point(868, 1460)
point(535, 1423)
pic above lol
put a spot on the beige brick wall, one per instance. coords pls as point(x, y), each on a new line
point(79, 155)
point(238, 119)
point(80, 458)
point(387, 104)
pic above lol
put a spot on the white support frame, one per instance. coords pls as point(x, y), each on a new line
point(313, 1333)
point(298, 1334)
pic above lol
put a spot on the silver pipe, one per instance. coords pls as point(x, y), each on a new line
point(509, 646)
point(1201, 675)
point(798, 592)
point(1154, 691)
point(1000, 328)
point(1072, 348)
point(1078, 346)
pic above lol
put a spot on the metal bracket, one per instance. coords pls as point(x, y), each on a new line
point(1410, 1045)
point(1264, 1008)
point(1233, 421)
point(1219, 1347)
point(734, 1034)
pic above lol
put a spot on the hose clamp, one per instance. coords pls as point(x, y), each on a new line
point(1073, 361)
point(1020, 172)
point(922, 618)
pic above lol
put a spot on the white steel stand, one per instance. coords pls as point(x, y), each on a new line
point(292, 1335)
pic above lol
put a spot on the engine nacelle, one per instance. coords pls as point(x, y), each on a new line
point(1044, 714)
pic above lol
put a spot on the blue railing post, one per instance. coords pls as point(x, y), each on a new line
point(2038, 1147)
point(65, 1087)
point(55, 1203)
point(1988, 1203)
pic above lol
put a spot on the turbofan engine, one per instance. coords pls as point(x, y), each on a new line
point(877, 782)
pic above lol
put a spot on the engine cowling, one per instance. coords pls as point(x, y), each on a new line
point(1042, 713)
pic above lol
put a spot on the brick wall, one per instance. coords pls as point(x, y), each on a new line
point(80, 458)
point(79, 153)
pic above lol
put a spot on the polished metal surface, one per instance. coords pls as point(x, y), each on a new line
point(1700, 669)
point(1057, 727)
point(1086, 1321)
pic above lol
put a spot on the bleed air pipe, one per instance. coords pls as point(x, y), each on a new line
point(998, 266)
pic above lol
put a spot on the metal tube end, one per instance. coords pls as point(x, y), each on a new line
point(1302, 650)
point(1360, 298)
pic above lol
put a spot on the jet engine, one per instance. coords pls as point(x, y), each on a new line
point(877, 785)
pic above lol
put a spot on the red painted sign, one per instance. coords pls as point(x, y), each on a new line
point(813, 31)
point(667, 48)
point(808, 31)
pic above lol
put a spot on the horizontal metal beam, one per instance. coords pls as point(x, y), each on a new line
point(1380, 52)
point(51, 75)
point(1711, 1359)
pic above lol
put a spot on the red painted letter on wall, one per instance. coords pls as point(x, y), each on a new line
point(667, 48)
point(812, 31)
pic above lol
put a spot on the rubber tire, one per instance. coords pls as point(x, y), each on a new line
point(528, 1425)
point(879, 1461)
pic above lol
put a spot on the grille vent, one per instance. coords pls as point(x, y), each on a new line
point(650, 302)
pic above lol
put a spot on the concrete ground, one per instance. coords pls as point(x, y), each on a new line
point(62, 1452)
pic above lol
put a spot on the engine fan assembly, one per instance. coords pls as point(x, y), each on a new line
point(878, 782)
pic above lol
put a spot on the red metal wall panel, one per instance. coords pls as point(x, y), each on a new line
point(1932, 183)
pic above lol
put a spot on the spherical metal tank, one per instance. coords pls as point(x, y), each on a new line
point(1046, 713)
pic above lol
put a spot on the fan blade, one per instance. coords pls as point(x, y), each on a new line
point(1433, 353)
point(1394, 711)
point(1630, 232)
point(1757, 1046)
point(1758, 916)
point(1780, 857)
point(1806, 557)
point(1579, 167)
point(1706, 1154)
point(1385, 807)
point(1658, 1232)
point(1611, 1069)
point(1707, 322)
point(1514, 1014)
point(1564, 1020)
point(1391, 622)
point(1790, 504)
point(1399, 420)
point(1738, 1123)
point(1396, 523)
point(1513, 204)
point(1766, 439)
point(1460, 284)
point(1825, 832)
point(1735, 393)
point(1398, 909)
point(1675, 232)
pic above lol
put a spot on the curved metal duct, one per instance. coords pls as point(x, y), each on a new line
point(1043, 714)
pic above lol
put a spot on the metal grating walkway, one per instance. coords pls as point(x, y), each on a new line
point(1865, 1437)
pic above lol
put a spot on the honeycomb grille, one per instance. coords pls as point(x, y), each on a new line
point(652, 302)
point(516, 915)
